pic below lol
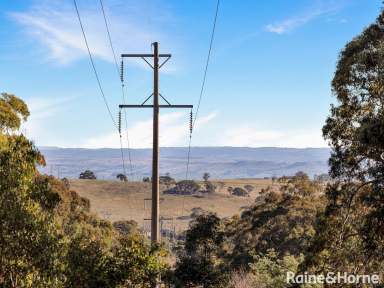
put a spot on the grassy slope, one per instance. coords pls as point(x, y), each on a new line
point(114, 200)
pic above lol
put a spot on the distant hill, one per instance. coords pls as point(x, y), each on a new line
point(220, 162)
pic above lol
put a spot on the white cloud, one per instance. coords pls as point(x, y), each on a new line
point(174, 133)
point(320, 8)
point(55, 26)
point(42, 109)
point(173, 126)
point(246, 136)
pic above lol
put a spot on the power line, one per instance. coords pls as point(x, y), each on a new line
point(109, 37)
point(202, 84)
point(93, 65)
point(122, 89)
point(99, 83)
point(201, 90)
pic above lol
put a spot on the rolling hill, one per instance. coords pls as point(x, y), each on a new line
point(220, 162)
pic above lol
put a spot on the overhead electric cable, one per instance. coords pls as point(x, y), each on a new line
point(202, 85)
point(122, 87)
point(201, 89)
point(93, 65)
point(99, 83)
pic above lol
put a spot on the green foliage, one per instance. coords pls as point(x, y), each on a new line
point(278, 221)
point(300, 184)
point(270, 271)
point(135, 264)
point(198, 263)
point(278, 228)
point(350, 233)
point(87, 174)
point(12, 111)
point(29, 242)
point(48, 236)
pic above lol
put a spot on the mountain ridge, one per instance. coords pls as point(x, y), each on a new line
point(220, 162)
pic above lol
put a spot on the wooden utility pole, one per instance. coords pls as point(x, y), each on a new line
point(155, 234)
point(155, 213)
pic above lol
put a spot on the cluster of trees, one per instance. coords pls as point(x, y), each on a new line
point(267, 240)
point(48, 236)
point(298, 228)
point(166, 180)
point(350, 231)
point(87, 174)
point(190, 187)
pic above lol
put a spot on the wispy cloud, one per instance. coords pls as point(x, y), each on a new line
point(42, 111)
point(319, 9)
point(54, 25)
point(248, 136)
point(174, 132)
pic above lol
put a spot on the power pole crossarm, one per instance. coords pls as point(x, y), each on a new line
point(145, 55)
point(155, 213)
point(151, 106)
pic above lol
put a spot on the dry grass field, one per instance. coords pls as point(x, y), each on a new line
point(115, 200)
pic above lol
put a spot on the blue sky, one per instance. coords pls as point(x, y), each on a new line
point(268, 82)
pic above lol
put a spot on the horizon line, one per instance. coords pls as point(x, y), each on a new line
point(182, 147)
